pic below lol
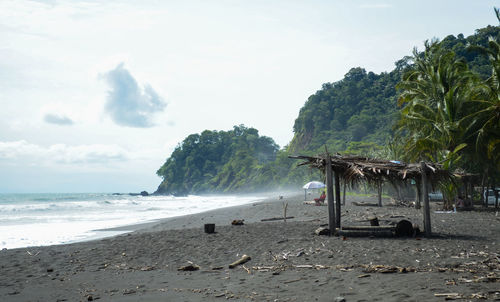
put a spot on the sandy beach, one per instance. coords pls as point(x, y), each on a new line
point(288, 261)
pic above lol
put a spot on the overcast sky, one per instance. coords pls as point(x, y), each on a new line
point(95, 95)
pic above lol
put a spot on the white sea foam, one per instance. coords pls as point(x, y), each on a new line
point(47, 219)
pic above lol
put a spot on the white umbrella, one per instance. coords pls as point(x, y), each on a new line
point(314, 185)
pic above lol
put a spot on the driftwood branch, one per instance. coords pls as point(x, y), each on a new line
point(247, 269)
point(277, 218)
point(243, 259)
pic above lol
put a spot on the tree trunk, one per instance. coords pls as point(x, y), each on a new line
point(486, 195)
point(466, 188)
point(397, 188)
point(482, 191)
point(471, 192)
point(496, 198)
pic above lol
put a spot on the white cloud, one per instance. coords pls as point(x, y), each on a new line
point(127, 103)
point(23, 152)
point(375, 5)
point(57, 119)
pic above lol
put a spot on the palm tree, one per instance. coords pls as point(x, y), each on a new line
point(449, 114)
point(434, 93)
point(484, 123)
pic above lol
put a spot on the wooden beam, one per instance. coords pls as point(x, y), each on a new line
point(425, 198)
point(329, 194)
point(337, 199)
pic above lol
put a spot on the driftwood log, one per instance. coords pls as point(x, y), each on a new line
point(189, 267)
point(373, 221)
point(243, 259)
point(403, 228)
point(368, 228)
point(322, 231)
point(277, 218)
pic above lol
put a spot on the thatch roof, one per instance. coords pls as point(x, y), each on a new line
point(357, 168)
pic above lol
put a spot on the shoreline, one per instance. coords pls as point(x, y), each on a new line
point(197, 219)
point(101, 231)
point(288, 262)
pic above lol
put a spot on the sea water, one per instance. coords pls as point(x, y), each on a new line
point(48, 219)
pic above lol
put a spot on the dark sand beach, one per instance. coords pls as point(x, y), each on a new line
point(288, 261)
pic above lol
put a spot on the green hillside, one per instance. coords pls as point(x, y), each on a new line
point(217, 161)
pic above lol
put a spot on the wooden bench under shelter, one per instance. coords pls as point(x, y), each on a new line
point(355, 169)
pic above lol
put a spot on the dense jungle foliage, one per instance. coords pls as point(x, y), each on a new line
point(357, 113)
point(451, 114)
point(440, 104)
point(218, 161)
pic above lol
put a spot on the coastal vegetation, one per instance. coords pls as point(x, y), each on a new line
point(219, 161)
point(440, 104)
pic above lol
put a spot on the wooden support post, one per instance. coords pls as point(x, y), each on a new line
point(337, 199)
point(418, 203)
point(329, 195)
point(379, 187)
point(425, 197)
point(471, 193)
point(343, 197)
point(305, 194)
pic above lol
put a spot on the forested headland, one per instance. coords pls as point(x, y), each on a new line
point(440, 104)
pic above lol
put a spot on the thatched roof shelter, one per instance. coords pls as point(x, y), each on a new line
point(353, 169)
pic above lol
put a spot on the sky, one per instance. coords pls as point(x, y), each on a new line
point(95, 95)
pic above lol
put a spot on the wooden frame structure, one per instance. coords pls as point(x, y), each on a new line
point(353, 169)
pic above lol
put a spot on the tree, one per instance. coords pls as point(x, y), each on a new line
point(218, 161)
point(433, 94)
point(485, 122)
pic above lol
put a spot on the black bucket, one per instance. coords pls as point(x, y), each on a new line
point(209, 228)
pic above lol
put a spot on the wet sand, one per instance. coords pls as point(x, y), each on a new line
point(288, 261)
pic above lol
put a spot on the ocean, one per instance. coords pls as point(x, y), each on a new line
point(47, 219)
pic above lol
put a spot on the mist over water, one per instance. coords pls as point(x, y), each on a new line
point(47, 219)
